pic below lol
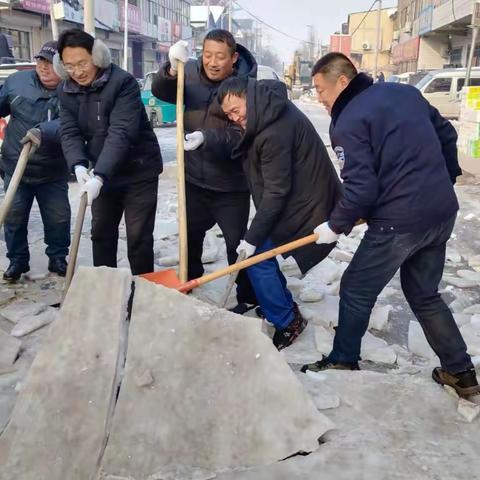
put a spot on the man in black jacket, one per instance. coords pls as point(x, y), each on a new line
point(399, 163)
point(104, 125)
point(294, 187)
point(30, 98)
point(216, 188)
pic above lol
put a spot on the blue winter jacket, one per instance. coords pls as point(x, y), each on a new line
point(398, 159)
point(29, 104)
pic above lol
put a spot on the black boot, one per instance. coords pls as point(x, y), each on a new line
point(58, 265)
point(326, 364)
point(284, 338)
point(14, 271)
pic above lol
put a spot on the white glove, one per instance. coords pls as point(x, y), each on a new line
point(82, 175)
point(247, 248)
point(92, 189)
point(325, 234)
point(178, 53)
point(193, 141)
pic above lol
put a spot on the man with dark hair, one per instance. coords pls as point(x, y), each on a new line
point(401, 183)
point(216, 189)
point(294, 187)
point(30, 98)
point(104, 126)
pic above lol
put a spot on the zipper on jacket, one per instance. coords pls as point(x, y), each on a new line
point(49, 115)
point(98, 111)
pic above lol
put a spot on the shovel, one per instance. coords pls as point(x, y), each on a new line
point(168, 278)
point(27, 151)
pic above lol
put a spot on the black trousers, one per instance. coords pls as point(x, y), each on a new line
point(139, 203)
point(229, 210)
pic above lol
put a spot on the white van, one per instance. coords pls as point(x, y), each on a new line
point(442, 88)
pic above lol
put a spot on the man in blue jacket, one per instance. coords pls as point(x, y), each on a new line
point(30, 99)
point(398, 161)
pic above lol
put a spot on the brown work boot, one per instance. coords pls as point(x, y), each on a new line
point(464, 383)
point(284, 338)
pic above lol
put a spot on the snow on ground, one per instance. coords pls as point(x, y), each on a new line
point(392, 420)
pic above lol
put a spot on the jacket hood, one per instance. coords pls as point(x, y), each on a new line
point(245, 66)
point(266, 101)
point(357, 85)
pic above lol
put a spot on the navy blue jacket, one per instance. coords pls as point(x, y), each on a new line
point(398, 159)
point(29, 105)
point(105, 125)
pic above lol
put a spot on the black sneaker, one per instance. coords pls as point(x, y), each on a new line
point(284, 338)
point(58, 266)
point(14, 271)
point(464, 383)
point(326, 364)
point(242, 308)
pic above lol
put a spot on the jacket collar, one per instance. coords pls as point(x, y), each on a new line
point(356, 86)
point(70, 86)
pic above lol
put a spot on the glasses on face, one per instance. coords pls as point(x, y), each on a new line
point(79, 67)
point(42, 62)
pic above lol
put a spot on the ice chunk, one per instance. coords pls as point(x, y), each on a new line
point(379, 317)
point(23, 308)
point(29, 324)
point(417, 343)
point(468, 410)
point(377, 350)
point(312, 294)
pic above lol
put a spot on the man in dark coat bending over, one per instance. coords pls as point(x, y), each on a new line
point(293, 184)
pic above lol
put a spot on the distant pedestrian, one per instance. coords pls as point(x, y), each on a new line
point(104, 126)
point(216, 188)
point(399, 164)
point(380, 77)
point(30, 99)
point(294, 187)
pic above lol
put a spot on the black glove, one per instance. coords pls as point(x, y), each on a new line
point(33, 135)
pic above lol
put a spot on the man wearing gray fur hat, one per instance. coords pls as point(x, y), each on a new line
point(105, 128)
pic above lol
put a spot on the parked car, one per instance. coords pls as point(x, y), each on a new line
point(159, 113)
point(264, 72)
point(442, 88)
point(409, 78)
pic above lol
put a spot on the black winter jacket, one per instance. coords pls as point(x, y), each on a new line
point(106, 125)
point(291, 177)
point(398, 157)
point(210, 166)
point(29, 105)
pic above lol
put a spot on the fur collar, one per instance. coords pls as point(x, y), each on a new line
point(356, 86)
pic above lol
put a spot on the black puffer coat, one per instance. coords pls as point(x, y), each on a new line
point(291, 177)
point(106, 125)
point(29, 105)
point(210, 166)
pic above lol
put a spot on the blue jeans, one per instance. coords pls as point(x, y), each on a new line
point(271, 290)
point(421, 259)
point(52, 199)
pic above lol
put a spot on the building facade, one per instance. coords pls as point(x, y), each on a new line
point(153, 25)
point(433, 34)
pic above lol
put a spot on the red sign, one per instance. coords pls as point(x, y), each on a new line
point(39, 6)
point(341, 43)
point(406, 51)
point(134, 17)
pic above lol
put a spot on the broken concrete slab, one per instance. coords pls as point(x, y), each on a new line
point(214, 402)
point(417, 342)
point(59, 425)
point(34, 322)
point(23, 308)
point(9, 348)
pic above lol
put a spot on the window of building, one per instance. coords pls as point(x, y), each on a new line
point(439, 85)
point(21, 43)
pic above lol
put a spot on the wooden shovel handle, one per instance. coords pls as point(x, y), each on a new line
point(248, 262)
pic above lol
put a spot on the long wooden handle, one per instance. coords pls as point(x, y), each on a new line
point(248, 262)
point(231, 280)
point(72, 260)
point(27, 150)
point(182, 203)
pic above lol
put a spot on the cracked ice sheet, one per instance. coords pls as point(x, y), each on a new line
point(57, 428)
point(389, 427)
point(222, 396)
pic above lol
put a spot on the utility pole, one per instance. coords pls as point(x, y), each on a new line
point(208, 15)
point(53, 21)
point(125, 36)
point(475, 25)
point(379, 36)
point(89, 17)
point(230, 12)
